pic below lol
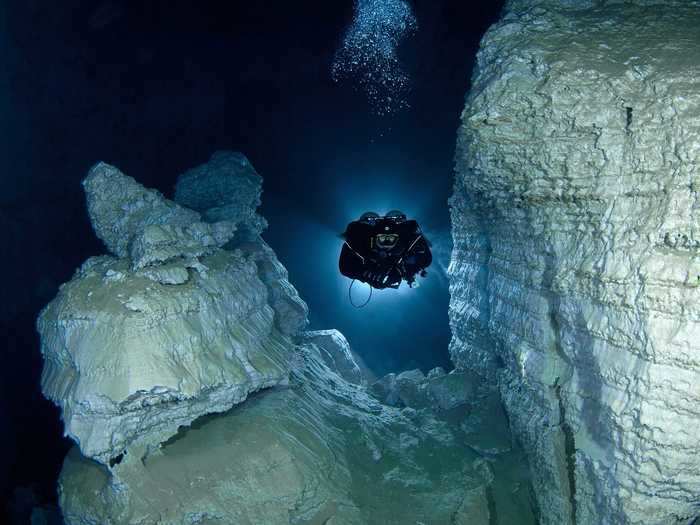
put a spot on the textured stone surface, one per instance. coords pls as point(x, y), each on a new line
point(175, 273)
point(140, 223)
point(129, 360)
point(575, 271)
point(437, 390)
point(158, 244)
point(138, 345)
point(319, 451)
point(225, 188)
point(336, 353)
point(291, 311)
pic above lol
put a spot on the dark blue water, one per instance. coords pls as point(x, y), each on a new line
point(154, 88)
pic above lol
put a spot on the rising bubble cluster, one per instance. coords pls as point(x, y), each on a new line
point(368, 54)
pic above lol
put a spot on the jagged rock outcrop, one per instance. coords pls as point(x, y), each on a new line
point(319, 451)
point(139, 223)
point(575, 270)
point(225, 188)
point(336, 353)
point(168, 329)
point(130, 360)
point(485, 423)
point(291, 312)
point(147, 360)
point(414, 389)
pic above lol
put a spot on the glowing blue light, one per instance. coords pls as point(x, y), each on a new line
point(397, 325)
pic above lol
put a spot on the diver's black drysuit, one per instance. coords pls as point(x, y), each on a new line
point(361, 258)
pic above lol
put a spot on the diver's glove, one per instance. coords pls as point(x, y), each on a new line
point(373, 278)
point(392, 278)
point(413, 282)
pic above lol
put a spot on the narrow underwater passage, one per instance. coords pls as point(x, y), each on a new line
point(155, 89)
point(208, 370)
point(186, 377)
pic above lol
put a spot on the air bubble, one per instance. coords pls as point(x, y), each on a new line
point(368, 54)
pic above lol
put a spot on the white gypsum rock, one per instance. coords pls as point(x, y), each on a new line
point(226, 188)
point(157, 244)
point(336, 353)
point(140, 223)
point(130, 360)
point(136, 346)
point(320, 451)
point(438, 390)
point(576, 266)
point(172, 273)
point(120, 208)
point(291, 312)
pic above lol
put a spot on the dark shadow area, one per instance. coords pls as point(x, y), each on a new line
point(156, 87)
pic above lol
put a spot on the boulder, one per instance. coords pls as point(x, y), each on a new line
point(172, 328)
point(227, 188)
point(140, 223)
point(130, 360)
point(320, 451)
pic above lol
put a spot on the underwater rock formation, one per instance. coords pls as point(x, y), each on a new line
point(336, 353)
point(227, 188)
point(141, 224)
point(575, 275)
point(319, 451)
point(414, 389)
point(132, 351)
point(194, 397)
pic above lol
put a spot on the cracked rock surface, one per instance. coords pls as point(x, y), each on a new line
point(194, 397)
point(169, 328)
point(140, 223)
point(575, 272)
point(227, 188)
point(321, 450)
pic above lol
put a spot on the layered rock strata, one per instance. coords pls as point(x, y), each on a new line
point(226, 190)
point(321, 450)
point(336, 353)
point(129, 360)
point(168, 328)
point(146, 361)
point(575, 272)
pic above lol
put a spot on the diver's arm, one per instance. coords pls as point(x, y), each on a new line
point(351, 263)
point(354, 266)
point(424, 256)
point(418, 257)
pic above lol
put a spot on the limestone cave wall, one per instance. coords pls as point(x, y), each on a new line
point(575, 276)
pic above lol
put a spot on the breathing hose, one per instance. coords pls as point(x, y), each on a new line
point(350, 296)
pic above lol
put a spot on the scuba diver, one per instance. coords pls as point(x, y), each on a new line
point(383, 251)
